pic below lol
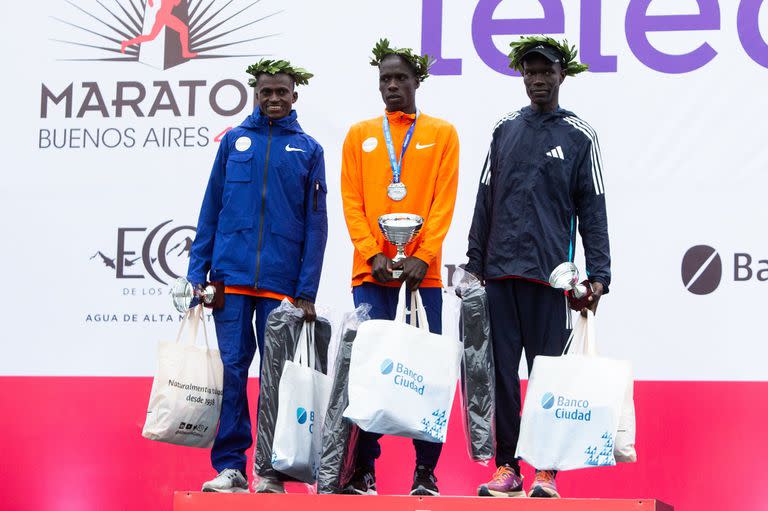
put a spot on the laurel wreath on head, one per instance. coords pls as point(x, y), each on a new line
point(569, 53)
point(272, 67)
point(420, 63)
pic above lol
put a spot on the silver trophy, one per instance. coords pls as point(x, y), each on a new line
point(566, 276)
point(183, 293)
point(400, 229)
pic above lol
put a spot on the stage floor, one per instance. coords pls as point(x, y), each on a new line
point(198, 501)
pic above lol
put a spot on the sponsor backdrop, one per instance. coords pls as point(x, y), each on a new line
point(108, 153)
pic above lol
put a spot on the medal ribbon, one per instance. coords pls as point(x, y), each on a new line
point(397, 165)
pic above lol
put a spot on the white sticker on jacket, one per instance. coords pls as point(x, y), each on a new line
point(370, 144)
point(242, 144)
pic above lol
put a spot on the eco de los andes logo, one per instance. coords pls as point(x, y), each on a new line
point(152, 36)
point(139, 264)
point(702, 269)
point(567, 408)
point(404, 377)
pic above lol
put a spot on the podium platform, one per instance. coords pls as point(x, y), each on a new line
point(198, 501)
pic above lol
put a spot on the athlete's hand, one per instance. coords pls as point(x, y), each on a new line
point(414, 270)
point(597, 292)
point(468, 279)
point(381, 268)
point(308, 308)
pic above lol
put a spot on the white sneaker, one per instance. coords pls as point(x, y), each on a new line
point(229, 480)
point(267, 485)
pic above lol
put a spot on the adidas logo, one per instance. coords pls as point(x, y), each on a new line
point(557, 152)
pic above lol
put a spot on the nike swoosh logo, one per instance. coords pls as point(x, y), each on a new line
point(291, 149)
point(419, 146)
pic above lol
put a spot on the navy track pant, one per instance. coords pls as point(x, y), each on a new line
point(524, 315)
point(383, 302)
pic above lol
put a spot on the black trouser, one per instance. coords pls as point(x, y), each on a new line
point(528, 315)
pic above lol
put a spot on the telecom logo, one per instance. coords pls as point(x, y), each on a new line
point(567, 408)
point(404, 377)
point(702, 270)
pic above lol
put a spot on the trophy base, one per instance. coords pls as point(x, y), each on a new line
point(218, 296)
point(396, 274)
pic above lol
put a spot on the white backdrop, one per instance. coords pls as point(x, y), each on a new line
point(685, 164)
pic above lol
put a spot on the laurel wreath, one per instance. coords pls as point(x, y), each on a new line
point(272, 67)
point(420, 63)
point(569, 53)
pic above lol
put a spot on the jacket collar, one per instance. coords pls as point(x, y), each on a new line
point(258, 120)
point(400, 117)
point(530, 113)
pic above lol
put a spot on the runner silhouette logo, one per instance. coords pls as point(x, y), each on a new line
point(162, 33)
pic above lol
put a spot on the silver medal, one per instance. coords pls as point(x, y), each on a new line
point(397, 191)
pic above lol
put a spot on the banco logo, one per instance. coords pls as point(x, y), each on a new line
point(161, 33)
point(567, 408)
point(161, 254)
point(702, 269)
point(303, 416)
point(404, 376)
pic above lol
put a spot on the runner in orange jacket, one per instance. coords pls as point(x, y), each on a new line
point(429, 174)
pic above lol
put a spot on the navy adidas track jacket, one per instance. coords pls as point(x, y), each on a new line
point(541, 179)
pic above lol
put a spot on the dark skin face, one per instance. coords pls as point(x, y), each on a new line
point(276, 95)
point(398, 84)
point(542, 81)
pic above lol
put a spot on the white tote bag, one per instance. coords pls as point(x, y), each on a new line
point(583, 341)
point(185, 401)
point(402, 378)
point(572, 408)
point(302, 402)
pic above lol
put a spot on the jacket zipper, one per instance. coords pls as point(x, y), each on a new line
point(263, 201)
point(317, 191)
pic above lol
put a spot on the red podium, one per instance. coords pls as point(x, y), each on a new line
point(197, 501)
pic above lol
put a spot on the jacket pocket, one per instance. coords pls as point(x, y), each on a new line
point(231, 247)
point(319, 193)
point(239, 167)
point(289, 229)
point(233, 224)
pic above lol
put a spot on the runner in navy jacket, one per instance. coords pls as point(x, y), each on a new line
point(262, 231)
point(542, 177)
point(541, 180)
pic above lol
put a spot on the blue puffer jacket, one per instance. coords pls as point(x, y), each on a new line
point(263, 222)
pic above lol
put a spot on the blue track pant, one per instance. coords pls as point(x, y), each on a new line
point(237, 344)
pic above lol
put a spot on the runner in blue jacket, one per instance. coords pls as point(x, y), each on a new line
point(262, 232)
point(542, 179)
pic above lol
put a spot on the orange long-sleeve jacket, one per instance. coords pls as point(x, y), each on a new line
point(430, 171)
